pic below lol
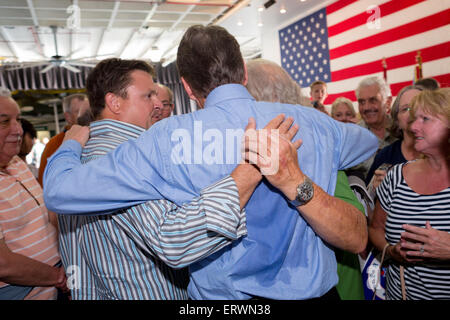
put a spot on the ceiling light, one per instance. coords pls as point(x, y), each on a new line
point(260, 24)
point(282, 9)
point(261, 9)
point(239, 23)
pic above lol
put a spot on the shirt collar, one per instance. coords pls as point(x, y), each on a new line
point(109, 126)
point(12, 164)
point(227, 92)
point(387, 125)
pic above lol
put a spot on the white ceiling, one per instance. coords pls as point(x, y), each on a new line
point(147, 30)
point(130, 29)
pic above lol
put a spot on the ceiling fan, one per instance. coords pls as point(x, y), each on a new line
point(57, 60)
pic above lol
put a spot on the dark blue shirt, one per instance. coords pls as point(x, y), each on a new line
point(392, 154)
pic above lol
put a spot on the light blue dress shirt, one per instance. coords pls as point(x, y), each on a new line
point(281, 257)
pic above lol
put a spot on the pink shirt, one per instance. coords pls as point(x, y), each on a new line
point(24, 221)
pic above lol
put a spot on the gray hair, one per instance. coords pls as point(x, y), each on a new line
point(345, 101)
point(267, 81)
point(66, 103)
point(370, 81)
point(169, 91)
point(5, 92)
point(395, 129)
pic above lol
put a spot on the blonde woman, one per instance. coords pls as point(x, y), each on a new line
point(412, 214)
point(342, 110)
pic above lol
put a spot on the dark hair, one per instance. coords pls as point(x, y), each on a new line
point(111, 75)
point(28, 127)
point(209, 57)
point(86, 118)
point(428, 83)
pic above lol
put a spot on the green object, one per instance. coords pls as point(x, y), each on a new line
point(350, 286)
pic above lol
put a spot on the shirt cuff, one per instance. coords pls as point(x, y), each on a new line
point(223, 213)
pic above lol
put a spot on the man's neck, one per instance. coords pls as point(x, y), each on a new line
point(200, 102)
point(4, 164)
point(378, 130)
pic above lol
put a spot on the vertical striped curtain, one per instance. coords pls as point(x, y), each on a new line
point(56, 78)
point(59, 78)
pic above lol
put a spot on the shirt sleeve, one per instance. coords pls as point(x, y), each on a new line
point(386, 189)
point(182, 235)
point(357, 144)
point(114, 181)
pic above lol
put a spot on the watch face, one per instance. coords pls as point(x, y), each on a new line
point(305, 191)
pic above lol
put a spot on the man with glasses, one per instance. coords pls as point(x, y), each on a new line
point(163, 110)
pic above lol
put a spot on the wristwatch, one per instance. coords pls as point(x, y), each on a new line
point(305, 192)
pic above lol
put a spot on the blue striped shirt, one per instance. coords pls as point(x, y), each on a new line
point(130, 254)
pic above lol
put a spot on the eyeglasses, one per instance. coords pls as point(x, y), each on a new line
point(404, 108)
point(167, 105)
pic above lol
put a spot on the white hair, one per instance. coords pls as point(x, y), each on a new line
point(4, 92)
point(67, 101)
point(385, 91)
point(267, 81)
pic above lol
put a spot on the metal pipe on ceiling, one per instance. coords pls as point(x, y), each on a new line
point(216, 4)
point(230, 11)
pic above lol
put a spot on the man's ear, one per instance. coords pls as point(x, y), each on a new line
point(188, 89)
point(245, 75)
point(68, 117)
point(112, 103)
point(388, 104)
point(200, 101)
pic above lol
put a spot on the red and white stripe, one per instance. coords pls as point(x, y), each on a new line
point(406, 26)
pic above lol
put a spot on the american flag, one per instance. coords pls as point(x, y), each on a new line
point(347, 41)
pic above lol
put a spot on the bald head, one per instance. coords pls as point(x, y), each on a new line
point(10, 130)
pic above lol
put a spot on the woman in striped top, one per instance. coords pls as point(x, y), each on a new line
point(412, 214)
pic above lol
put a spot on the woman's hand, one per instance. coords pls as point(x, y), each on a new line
point(425, 242)
point(400, 255)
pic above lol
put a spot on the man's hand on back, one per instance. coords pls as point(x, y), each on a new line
point(78, 133)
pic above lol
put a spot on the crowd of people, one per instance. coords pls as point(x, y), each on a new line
point(134, 203)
